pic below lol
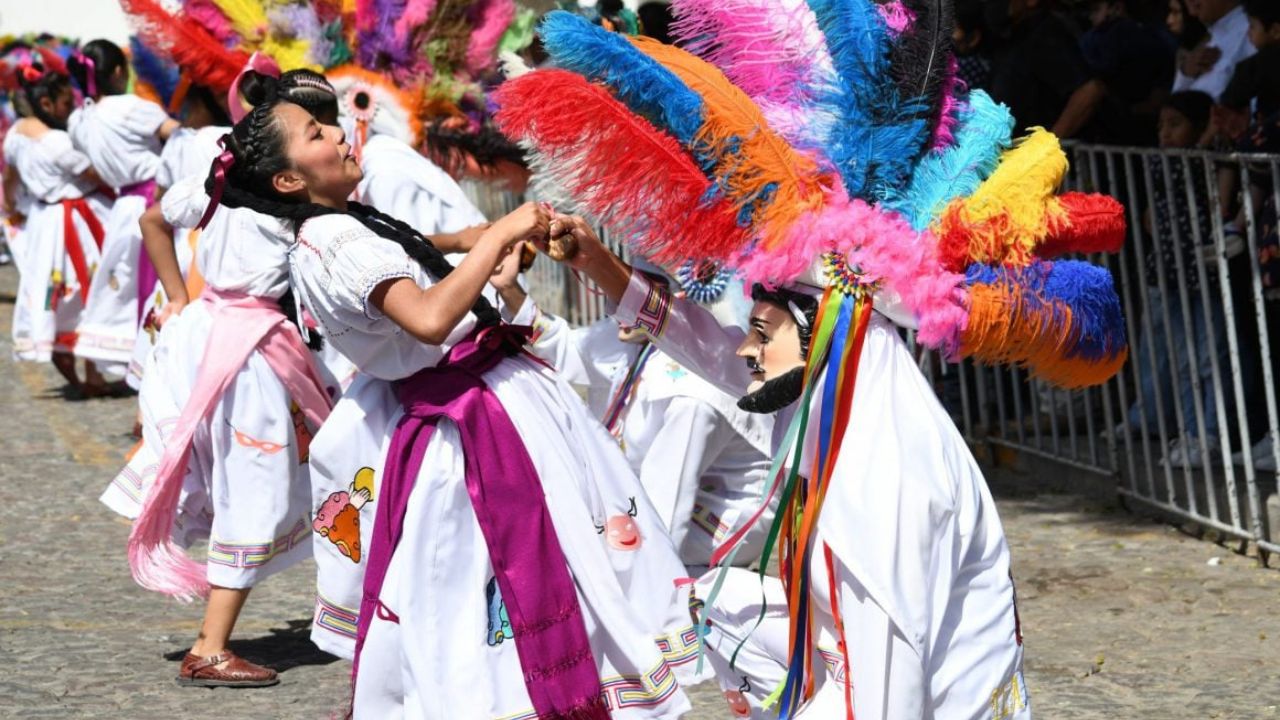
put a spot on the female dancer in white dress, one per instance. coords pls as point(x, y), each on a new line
point(187, 153)
point(226, 429)
point(63, 233)
point(122, 135)
point(494, 588)
point(247, 489)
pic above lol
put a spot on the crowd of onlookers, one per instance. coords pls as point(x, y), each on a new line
point(1103, 70)
point(1177, 75)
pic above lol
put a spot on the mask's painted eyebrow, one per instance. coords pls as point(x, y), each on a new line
point(759, 323)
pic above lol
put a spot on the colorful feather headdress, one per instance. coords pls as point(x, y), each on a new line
point(171, 52)
point(419, 70)
point(826, 144)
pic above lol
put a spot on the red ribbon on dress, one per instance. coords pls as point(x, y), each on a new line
point(72, 242)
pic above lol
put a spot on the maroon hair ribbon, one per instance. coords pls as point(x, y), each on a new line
point(221, 165)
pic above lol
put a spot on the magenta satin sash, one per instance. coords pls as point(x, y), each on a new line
point(550, 634)
point(147, 277)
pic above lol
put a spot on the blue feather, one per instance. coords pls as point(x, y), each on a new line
point(985, 131)
point(1096, 323)
point(879, 134)
point(1096, 317)
point(154, 69)
point(641, 83)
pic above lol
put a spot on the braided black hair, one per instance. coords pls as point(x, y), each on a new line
point(258, 144)
point(306, 88)
point(107, 59)
point(48, 86)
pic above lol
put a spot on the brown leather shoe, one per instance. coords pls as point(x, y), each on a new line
point(203, 672)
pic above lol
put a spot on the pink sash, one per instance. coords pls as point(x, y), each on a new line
point(241, 324)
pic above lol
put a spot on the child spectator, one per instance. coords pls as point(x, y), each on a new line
point(1229, 35)
point(1255, 84)
point(1180, 225)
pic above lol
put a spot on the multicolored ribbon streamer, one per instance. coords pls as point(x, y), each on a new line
point(622, 397)
point(835, 350)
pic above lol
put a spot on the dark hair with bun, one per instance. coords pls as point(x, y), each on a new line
point(303, 87)
point(49, 85)
point(258, 144)
point(107, 58)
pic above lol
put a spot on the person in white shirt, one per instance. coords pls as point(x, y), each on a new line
point(122, 135)
point(1229, 35)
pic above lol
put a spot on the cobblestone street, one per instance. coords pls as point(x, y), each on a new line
point(1123, 617)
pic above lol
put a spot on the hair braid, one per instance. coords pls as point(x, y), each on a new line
point(259, 151)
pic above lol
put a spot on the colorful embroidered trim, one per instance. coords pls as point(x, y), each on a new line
point(130, 481)
point(628, 691)
point(835, 665)
point(335, 618)
point(655, 311)
point(252, 555)
point(680, 647)
point(706, 520)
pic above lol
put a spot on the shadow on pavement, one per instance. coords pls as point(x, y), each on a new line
point(285, 648)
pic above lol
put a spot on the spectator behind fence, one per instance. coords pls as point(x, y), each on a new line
point(1180, 225)
point(1130, 66)
point(1038, 70)
point(1194, 57)
point(1209, 68)
point(1253, 94)
point(1249, 117)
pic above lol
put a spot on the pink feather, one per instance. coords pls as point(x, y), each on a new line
point(490, 19)
point(897, 16)
point(209, 16)
point(772, 52)
point(949, 110)
point(416, 13)
point(366, 15)
point(886, 250)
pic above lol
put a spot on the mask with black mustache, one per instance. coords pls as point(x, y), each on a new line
point(774, 394)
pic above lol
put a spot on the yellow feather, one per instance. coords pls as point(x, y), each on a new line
point(1011, 212)
point(249, 18)
point(289, 53)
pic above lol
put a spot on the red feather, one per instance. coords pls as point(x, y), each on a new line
point(201, 56)
point(632, 177)
point(1089, 223)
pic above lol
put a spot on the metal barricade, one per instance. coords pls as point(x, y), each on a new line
point(1189, 427)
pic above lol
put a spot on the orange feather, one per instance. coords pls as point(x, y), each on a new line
point(754, 165)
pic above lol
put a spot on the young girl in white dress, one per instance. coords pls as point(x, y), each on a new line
point(246, 487)
point(64, 229)
point(122, 134)
point(515, 568)
point(187, 153)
